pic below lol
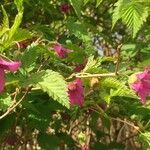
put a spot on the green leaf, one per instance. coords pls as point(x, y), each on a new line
point(29, 58)
point(77, 5)
point(19, 4)
point(18, 18)
point(145, 137)
point(75, 57)
point(38, 122)
point(90, 64)
point(67, 139)
point(133, 14)
point(7, 39)
point(7, 122)
point(5, 22)
point(48, 141)
point(5, 19)
point(16, 24)
point(144, 63)
point(5, 101)
point(126, 47)
point(117, 12)
point(93, 65)
point(77, 28)
point(117, 88)
point(21, 34)
point(86, 1)
point(52, 83)
point(98, 2)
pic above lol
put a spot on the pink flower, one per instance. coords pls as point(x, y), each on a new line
point(65, 8)
point(83, 147)
point(61, 51)
point(140, 82)
point(76, 92)
point(80, 67)
point(6, 65)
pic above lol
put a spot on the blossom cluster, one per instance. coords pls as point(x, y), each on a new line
point(75, 88)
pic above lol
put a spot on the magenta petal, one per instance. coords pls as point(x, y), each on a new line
point(9, 65)
point(76, 92)
point(142, 85)
point(144, 76)
point(146, 84)
point(142, 96)
point(2, 79)
point(57, 47)
point(79, 67)
point(83, 147)
point(65, 8)
point(146, 91)
point(61, 51)
point(137, 86)
point(141, 75)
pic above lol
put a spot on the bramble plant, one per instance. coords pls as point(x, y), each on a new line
point(74, 74)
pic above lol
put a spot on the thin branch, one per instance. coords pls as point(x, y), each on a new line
point(74, 126)
point(15, 96)
point(12, 107)
point(18, 45)
point(127, 138)
point(119, 134)
point(1, 55)
point(81, 75)
point(42, 64)
point(126, 122)
point(101, 112)
point(88, 134)
point(88, 75)
point(118, 58)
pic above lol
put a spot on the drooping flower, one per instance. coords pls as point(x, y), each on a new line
point(80, 67)
point(65, 8)
point(6, 65)
point(140, 82)
point(61, 51)
point(76, 92)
